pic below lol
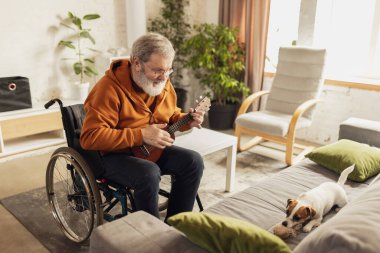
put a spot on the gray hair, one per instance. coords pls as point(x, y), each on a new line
point(152, 43)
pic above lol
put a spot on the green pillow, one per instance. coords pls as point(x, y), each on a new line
point(343, 153)
point(219, 234)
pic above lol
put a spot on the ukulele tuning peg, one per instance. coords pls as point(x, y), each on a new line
point(200, 97)
point(196, 101)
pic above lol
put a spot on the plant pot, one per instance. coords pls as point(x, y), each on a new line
point(181, 97)
point(81, 91)
point(222, 117)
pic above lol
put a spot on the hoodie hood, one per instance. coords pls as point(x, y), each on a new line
point(121, 70)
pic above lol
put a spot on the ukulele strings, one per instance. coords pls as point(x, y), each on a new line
point(172, 129)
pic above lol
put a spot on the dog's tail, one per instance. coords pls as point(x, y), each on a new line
point(343, 176)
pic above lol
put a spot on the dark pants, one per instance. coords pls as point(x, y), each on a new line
point(144, 177)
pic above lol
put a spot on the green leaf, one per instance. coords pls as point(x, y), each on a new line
point(87, 35)
point(67, 26)
point(91, 16)
point(89, 60)
point(92, 70)
point(77, 21)
point(66, 59)
point(94, 50)
point(66, 43)
point(217, 58)
point(78, 68)
point(87, 73)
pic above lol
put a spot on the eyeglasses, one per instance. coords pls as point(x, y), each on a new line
point(158, 73)
point(165, 73)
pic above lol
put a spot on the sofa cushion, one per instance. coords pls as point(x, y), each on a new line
point(218, 234)
point(355, 228)
point(339, 155)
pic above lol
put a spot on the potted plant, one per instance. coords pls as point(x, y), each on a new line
point(83, 65)
point(177, 30)
point(217, 59)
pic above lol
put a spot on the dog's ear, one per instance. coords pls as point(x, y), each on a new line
point(291, 204)
point(290, 201)
point(311, 211)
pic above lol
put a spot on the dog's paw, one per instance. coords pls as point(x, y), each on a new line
point(297, 227)
point(310, 226)
point(306, 229)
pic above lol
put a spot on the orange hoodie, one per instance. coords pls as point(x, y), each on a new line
point(115, 114)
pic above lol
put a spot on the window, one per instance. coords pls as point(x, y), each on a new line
point(282, 29)
point(349, 29)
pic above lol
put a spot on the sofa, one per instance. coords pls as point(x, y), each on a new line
point(355, 228)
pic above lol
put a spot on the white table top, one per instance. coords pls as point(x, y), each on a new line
point(205, 141)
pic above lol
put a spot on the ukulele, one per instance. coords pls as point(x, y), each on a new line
point(152, 153)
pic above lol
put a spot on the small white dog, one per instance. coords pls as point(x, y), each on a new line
point(310, 207)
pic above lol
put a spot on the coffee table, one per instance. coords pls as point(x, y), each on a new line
point(206, 141)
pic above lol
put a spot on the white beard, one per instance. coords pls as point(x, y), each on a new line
point(147, 86)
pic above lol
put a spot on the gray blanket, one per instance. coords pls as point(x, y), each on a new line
point(265, 203)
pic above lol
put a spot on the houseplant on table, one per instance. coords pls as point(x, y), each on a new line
point(83, 64)
point(173, 25)
point(217, 59)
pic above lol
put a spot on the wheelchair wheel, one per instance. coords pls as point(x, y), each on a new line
point(73, 194)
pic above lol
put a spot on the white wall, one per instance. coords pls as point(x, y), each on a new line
point(30, 32)
point(340, 103)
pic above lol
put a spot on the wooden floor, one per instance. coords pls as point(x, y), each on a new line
point(19, 175)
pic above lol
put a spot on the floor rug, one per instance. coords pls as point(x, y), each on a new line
point(32, 210)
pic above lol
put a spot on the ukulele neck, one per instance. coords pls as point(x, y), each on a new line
point(179, 124)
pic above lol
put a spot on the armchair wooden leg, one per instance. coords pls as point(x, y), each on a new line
point(238, 136)
point(249, 144)
point(289, 152)
point(290, 160)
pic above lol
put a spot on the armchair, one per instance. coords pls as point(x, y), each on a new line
point(295, 91)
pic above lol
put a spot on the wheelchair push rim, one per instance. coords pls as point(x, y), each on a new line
point(73, 195)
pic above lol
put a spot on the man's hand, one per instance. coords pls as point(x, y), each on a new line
point(154, 135)
point(197, 118)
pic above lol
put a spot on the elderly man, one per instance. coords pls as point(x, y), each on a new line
point(131, 106)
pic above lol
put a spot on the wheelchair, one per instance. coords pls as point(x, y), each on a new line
point(79, 197)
